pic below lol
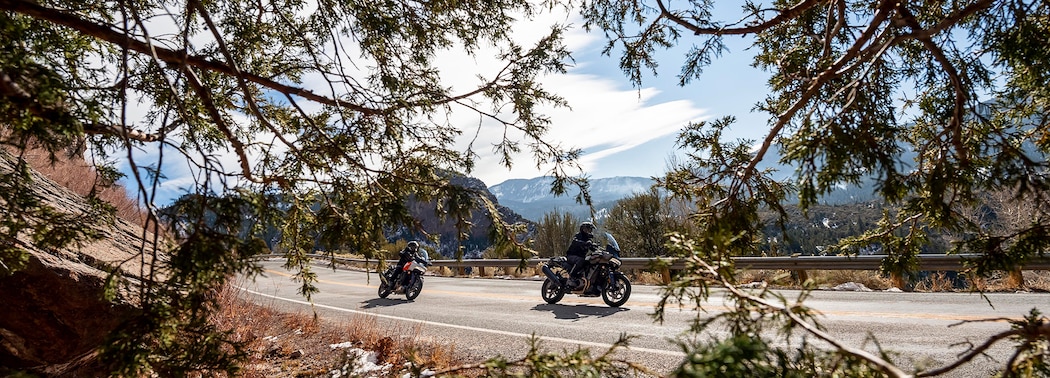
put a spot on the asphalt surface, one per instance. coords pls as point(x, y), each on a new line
point(488, 317)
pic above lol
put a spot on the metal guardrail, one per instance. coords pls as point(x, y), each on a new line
point(867, 262)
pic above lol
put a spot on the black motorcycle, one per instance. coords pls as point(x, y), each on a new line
point(602, 273)
point(411, 277)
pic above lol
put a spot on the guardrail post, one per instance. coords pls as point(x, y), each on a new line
point(897, 278)
point(1015, 279)
point(801, 276)
point(665, 275)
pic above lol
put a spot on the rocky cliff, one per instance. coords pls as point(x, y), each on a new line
point(54, 315)
point(481, 222)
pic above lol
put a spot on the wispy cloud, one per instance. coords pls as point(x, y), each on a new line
point(606, 118)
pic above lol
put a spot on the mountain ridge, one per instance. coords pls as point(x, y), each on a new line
point(532, 198)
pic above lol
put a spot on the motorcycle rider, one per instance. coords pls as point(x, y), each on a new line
point(576, 255)
point(405, 256)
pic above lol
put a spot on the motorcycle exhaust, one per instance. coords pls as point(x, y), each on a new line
point(550, 274)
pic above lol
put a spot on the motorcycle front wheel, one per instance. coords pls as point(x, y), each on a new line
point(551, 291)
point(384, 290)
point(413, 289)
point(617, 292)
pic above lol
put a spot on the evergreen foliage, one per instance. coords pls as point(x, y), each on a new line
point(853, 85)
point(316, 119)
point(940, 103)
point(554, 233)
point(639, 223)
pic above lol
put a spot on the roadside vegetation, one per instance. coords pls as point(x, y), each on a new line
point(322, 121)
point(281, 343)
point(290, 344)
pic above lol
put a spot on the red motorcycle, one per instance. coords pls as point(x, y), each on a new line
point(409, 282)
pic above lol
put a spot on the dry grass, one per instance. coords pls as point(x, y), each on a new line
point(831, 278)
point(936, 282)
point(642, 277)
point(1038, 280)
point(1033, 280)
point(81, 177)
point(300, 345)
point(933, 282)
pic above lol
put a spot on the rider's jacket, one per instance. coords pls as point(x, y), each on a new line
point(580, 245)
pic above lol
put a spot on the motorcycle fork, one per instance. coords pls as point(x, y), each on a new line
point(594, 278)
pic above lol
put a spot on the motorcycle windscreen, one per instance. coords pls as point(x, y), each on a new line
point(612, 241)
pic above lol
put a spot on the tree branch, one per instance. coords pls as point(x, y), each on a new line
point(177, 58)
point(818, 83)
point(883, 365)
point(783, 16)
point(955, 123)
point(973, 353)
point(19, 95)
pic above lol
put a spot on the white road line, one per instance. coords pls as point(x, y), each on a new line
point(456, 326)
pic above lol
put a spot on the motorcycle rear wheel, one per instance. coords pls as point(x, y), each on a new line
point(413, 289)
point(551, 291)
point(617, 292)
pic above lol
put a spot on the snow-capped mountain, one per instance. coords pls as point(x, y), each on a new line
point(532, 198)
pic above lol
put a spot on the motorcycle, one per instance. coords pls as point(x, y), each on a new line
point(411, 280)
point(602, 272)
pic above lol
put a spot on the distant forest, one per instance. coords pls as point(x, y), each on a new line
point(824, 226)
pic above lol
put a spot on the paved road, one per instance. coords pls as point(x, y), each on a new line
point(487, 317)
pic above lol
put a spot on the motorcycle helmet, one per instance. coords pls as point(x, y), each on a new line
point(413, 246)
point(587, 228)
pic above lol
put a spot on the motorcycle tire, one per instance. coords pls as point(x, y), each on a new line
point(384, 290)
point(551, 291)
point(413, 289)
point(617, 292)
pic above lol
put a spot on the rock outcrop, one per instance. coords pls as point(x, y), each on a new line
point(54, 315)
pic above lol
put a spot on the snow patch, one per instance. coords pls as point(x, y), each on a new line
point(360, 363)
point(851, 286)
point(753, 285)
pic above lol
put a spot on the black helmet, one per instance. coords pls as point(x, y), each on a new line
point(587, 227)
point(413, 245)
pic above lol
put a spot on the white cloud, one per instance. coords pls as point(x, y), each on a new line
point(605, 119)
point(606, 116)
